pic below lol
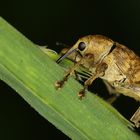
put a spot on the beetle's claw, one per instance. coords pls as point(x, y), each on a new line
point(59, 84)
point(81, 94)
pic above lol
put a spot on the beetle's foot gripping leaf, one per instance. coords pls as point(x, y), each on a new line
point(136, 118)
point(59, 84)
point(81, 94)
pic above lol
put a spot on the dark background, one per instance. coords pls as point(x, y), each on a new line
point(48, 21)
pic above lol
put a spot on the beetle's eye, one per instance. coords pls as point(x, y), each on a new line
point(81, 46)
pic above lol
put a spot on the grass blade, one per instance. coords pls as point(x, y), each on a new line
point(32, 74)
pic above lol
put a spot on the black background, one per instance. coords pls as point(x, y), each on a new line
point(48, 21)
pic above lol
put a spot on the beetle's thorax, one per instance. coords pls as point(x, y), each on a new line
point(123, 63)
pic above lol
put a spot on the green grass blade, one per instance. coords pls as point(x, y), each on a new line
point(33, 74)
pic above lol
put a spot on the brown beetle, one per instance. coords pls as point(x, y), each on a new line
point(117, 65)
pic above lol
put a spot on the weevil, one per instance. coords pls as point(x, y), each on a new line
point(111, 61)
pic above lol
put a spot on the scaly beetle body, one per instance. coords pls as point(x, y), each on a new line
point(117, 65)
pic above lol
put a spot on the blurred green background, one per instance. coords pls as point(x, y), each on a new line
point(48, 21)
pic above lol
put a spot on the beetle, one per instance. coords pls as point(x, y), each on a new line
point(118, 66)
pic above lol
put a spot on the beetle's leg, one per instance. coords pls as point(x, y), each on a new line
point(77, 76)
point(88, 82)
point(136, 118)
point(59, 84)
point(110, 88)
point(112, 91)
point(100, 71)
point(113, 98)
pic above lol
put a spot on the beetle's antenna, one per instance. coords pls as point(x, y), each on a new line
point(61, 44)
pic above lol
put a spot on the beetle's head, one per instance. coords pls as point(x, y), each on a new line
point(92, 47)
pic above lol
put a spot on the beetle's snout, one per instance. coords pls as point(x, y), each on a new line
point(66, 54)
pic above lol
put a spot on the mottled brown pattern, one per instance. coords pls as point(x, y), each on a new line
point(128, 62)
